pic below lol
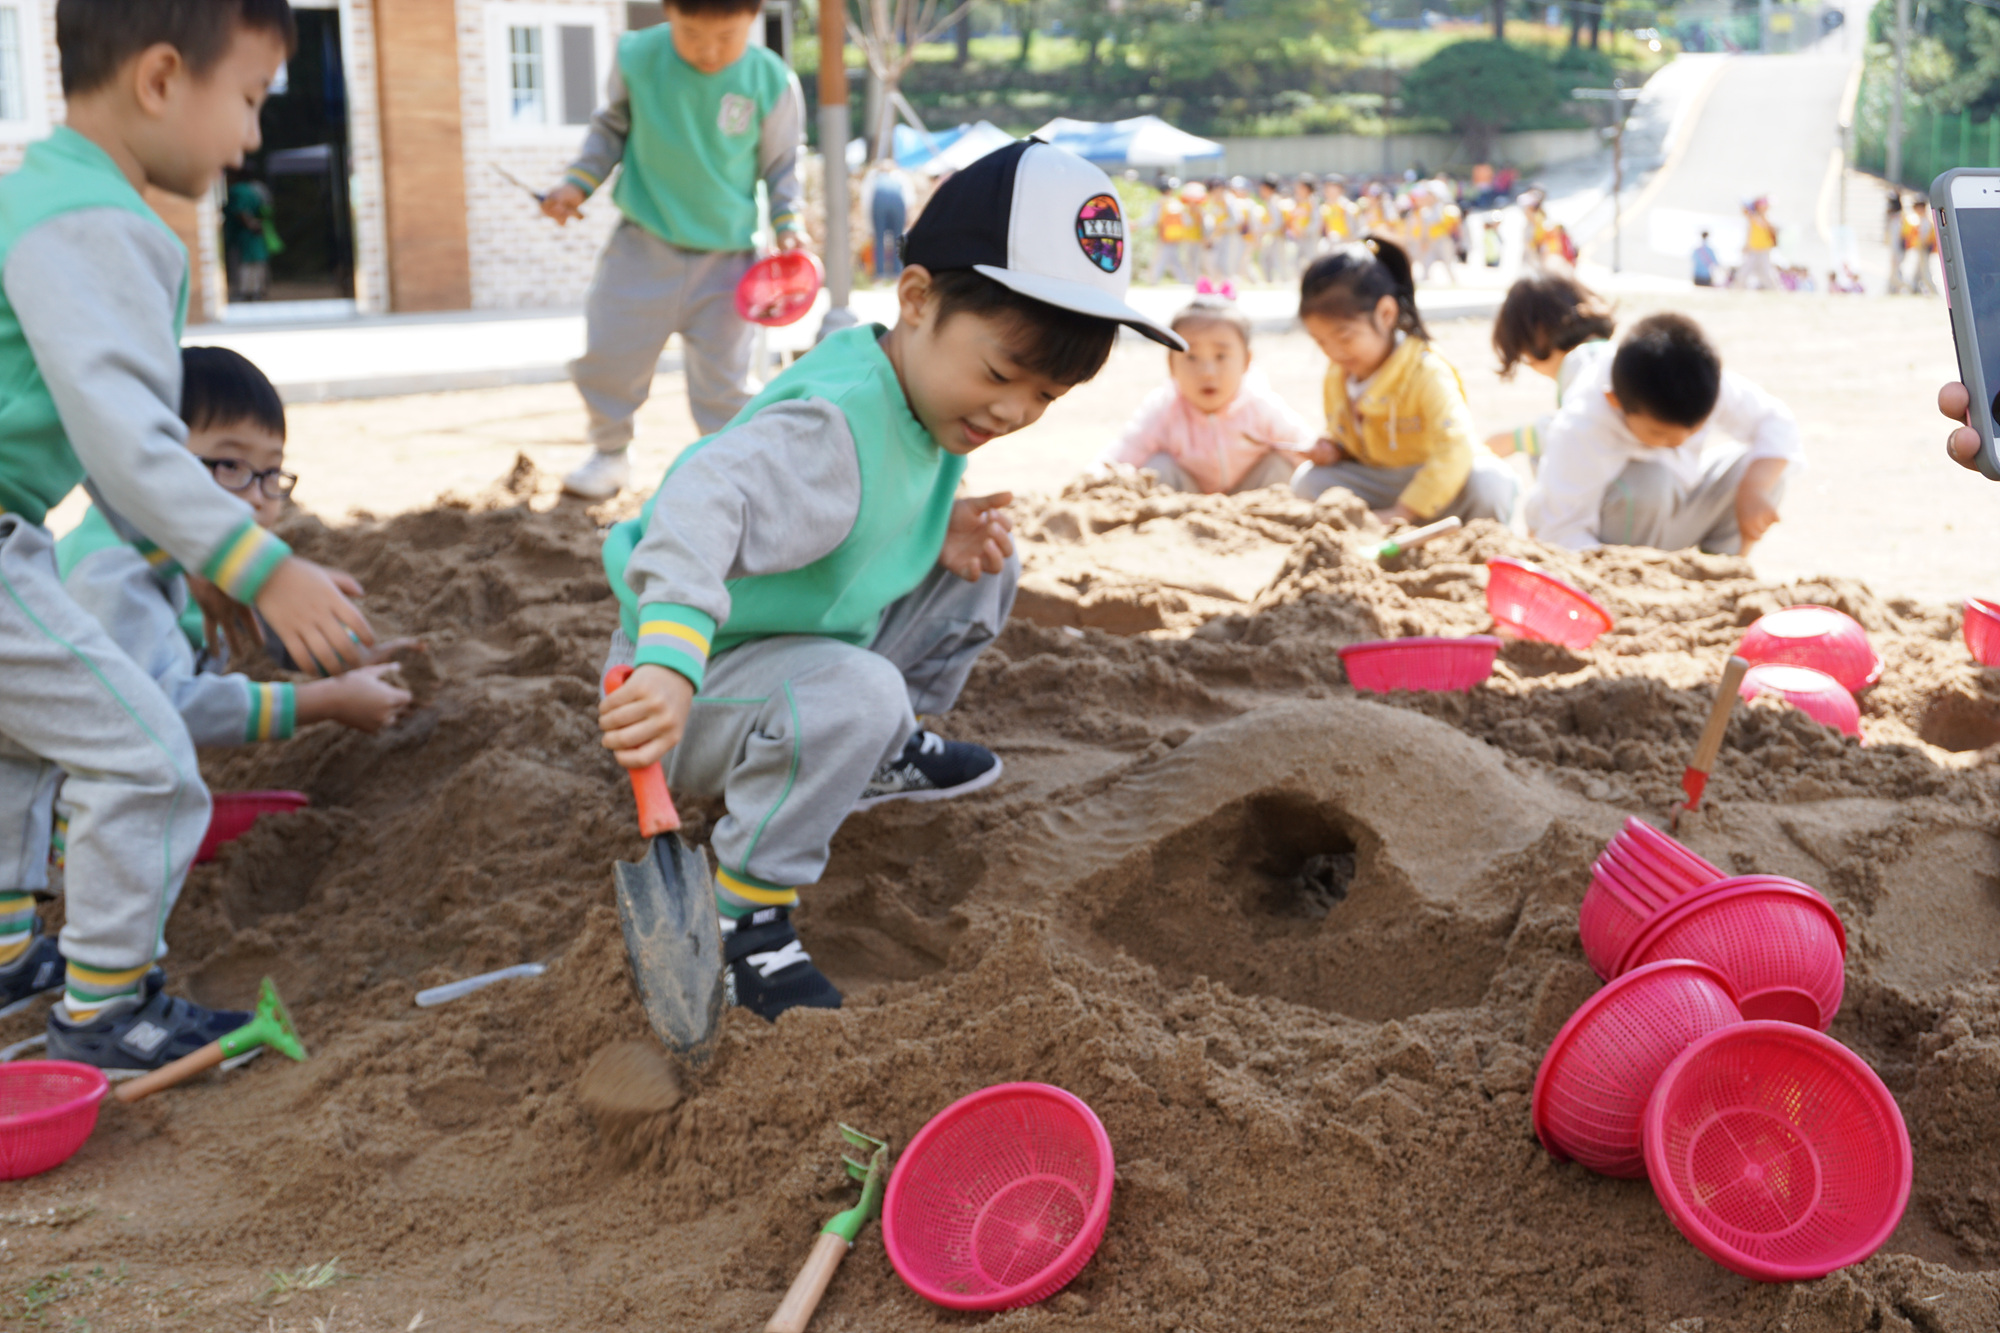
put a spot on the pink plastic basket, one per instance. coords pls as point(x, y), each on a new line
point(1982, 631)
point(1529, 604)
point(47, 1110)
point(1001, 1199)
point(1641, 872)
point(1818, 637)
point(1591, 1091)
point(1420, 663)
point(1814, 693)
point(779, 289)
point(1779, 943)
point(235, 811)
point(1777, 1152)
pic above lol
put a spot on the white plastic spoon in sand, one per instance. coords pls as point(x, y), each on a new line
point(1395, 546)
point(458, 990)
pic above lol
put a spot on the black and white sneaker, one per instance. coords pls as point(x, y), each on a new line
point(769, 970)
point(36, 972)
point(130, 1037)
point(931, 768)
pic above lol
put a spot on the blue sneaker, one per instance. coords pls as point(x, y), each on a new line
point(135, 1036)
point(931, 768)
point(34, 973)
point(769, 970)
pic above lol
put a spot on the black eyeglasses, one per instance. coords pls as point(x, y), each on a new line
point(232, 475)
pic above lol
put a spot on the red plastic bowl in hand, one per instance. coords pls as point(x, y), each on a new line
point(1420, 663)
point(47, 1110)
point(1814, 693)
point(1529, 604)
point(235, 811)
point(779, 289)
point(1818, 637)
point(1591, 1091)
point(1001, 1199)
point(1982, 631)
point(1777, 1152)
point(1641, 872)
point(1779, 943)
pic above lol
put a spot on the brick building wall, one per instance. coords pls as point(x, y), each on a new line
point(423, 154)
point(364, 148)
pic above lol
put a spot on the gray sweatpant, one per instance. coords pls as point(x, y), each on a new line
point(1647, 506)
point(74, 702)
point(646, 290)
point(1490, 492)
point(788, 730)
point(1275, 470)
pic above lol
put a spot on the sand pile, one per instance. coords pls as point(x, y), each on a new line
point(1301, 951)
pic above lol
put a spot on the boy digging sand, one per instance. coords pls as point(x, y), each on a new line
point(695, 116)
point(93, 289)
point(803, 584)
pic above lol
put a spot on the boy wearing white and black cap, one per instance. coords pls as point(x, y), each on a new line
point(807, 581)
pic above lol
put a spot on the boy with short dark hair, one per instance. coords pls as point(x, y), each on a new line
point(804, 584)
point(695, 116)
point(1641, 455)
point(93, 291)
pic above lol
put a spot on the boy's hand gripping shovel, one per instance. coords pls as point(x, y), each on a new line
point(1694, 781)
point(666, 905)
point(836, 1238)
point(270, 1026)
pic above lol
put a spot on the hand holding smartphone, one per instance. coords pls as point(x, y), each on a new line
point(1966, 203)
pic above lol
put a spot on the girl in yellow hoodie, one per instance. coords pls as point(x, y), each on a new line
point(1399, 432)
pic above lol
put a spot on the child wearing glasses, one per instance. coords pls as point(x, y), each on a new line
point(155, 610)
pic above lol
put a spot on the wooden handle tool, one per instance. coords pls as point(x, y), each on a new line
point(1695, 780)
point(796, 1310)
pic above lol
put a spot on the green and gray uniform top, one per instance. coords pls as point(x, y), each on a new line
point(1528, 439)
point(694, 145)
point(824, 501)
point(90, 366)
point(140, 596)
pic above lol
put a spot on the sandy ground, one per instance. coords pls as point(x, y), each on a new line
point(1879, 501)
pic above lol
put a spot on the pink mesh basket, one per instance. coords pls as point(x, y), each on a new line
point(1814, 693)
point(1001, 1199)
point(1641, 872)
point(780, 289)
point(1818, 637)
point(1779, 943)
point(1420, 663)
point(47, 1110)
point(1591, 1091)
point(1529, 604)
point(1777, 1152)
point(1982, 631)
point(235, 811)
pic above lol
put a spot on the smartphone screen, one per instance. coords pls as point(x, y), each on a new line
point(1979, 243)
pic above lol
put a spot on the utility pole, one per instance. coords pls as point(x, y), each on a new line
point(1621, 99)
point(1895, 164)
point(833, 136)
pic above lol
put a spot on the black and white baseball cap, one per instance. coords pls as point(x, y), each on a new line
point(1041, 221)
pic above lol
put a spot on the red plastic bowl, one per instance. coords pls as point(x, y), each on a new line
point(1777, 1152)
point(47, 1110)
point(779, 289)
point(1529, 604)
point(1590, 1094)
point(1420, 664)
point(1818, 637)
point(1982, 631)
point(235, 811)
point(1001, 1199)
point(1814, 693)
point(1641, 872)
point(1780, 944)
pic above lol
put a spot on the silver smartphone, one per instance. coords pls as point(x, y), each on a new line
point(1966, 202)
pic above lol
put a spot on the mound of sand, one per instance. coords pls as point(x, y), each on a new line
point(1301, 950)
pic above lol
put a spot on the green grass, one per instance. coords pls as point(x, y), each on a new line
point(32, 1301)
point(282, 1286)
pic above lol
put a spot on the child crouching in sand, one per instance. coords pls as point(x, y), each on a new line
point(1216, 427)
point(1556, 327)
point(1398, 429)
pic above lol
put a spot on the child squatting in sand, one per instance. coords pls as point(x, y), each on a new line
point(804, 584)
point(1558, 328)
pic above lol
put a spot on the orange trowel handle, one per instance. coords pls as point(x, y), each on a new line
point(649, 784)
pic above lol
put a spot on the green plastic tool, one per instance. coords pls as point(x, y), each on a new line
point(270, 1026)
point(1395, 546)
point(836, 1238)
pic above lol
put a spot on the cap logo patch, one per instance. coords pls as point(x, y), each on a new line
point(1100, 230)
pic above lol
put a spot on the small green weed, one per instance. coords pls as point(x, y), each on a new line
point(281, 1286)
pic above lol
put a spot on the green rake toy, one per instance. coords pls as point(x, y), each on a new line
point(836, 1238)
point(270, 1026)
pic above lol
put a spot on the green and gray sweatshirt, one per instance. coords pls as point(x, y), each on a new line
point(695, 145)
point(824, 501)
point(93, 296)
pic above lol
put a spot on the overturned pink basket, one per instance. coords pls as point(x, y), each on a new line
point(1530, 604)
point(1420, 663)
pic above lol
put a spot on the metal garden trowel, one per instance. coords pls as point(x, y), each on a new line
point(666, 905)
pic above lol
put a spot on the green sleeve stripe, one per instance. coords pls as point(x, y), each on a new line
point(675, 637)
point(242, 564)
point(273, 712)
point(582, 180)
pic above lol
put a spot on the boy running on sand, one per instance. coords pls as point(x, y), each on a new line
point(804, 583)
point(1638, 454)
point(93, 290)
point(695, 116)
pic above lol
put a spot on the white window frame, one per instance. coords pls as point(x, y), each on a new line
point(34, 121)
point(502, 16)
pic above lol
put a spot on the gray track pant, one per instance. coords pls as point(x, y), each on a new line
point(74, 705)
point(789, 730)
point(1648, 506)
point(1489, 492)
point(1275, 470)
point(646, 290)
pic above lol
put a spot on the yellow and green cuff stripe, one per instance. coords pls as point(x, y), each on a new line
point(17, 925)
point(164, 566)
point(739, 894)
point(582, 180)
point(1528, 440)
point(242, 564)
point(675, 637)
point(88, 989)
point(274, 713)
